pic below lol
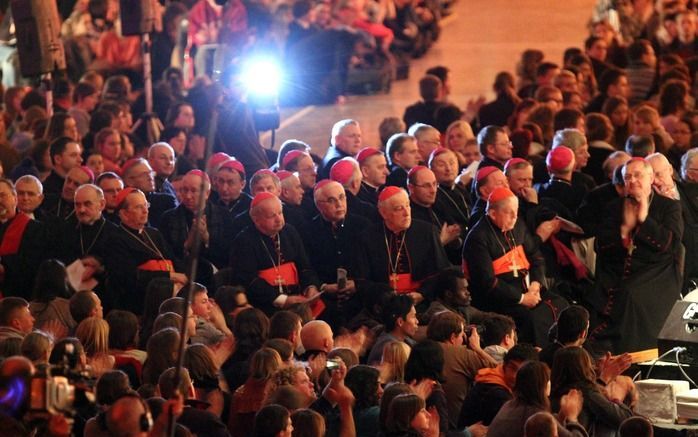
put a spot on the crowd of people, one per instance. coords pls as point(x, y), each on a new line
point(485, 270)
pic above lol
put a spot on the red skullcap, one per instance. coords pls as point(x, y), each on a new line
point(88, 171)
point(261, 197)
point(283, 174)
point(290, 156)
point(414, 170)
point(484, 172)
point(199, 173)
point(389, 192)
point(233, 164)
point(366, 153)
point(513, 161)
point(559, 158)
point(265, 172)
point(217, 159)
point(342, 171)
point(436, 152)
point(123, 194)
point(500, 193)
point(321, 184)
point(128, 164)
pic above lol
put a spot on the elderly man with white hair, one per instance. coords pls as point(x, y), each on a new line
point(270, 260)
point(577, 142)
point(638, 279)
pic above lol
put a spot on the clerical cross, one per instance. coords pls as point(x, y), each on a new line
point(514, 266)
point(394, 279)
point(631, 248)
point(280, 282)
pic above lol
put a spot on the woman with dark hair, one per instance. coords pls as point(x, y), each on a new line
point(673, 98)
point(391, 392)
point(180, 115)
point(162, 354)
point(251, 330)
point(600, 415)
point(363, 382)
point(521, 113)
point(51, 295)
point(158, 291)
point(273, 421)
point(426, 362)
point(408, 417)
point(531, 393)
point(618, 111)
point(62, 125)
point(205, 376)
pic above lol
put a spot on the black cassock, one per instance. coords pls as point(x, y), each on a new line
point(425, 256)
point(131, 249)
point(253, 252)
point(21, 265)
point(80, 240)
point(497, 283)
point(636, 286)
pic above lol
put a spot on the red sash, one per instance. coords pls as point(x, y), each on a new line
point(13, 235)
point(157, 265)
point(287, 274)
point(512, 261)
point(402, 283)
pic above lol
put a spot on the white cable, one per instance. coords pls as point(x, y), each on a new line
point(677, 349)
point(681, 368)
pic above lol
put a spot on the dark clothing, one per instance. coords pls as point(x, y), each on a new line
point(594, 167)
point(358, 207)
point(596, 104)
point(237, 136)
point(483, 403)
point(20, 268)
point(80, 240)
point(297, 32)
point(397, 177)
point(599, 416)
point(175, 226)
point(425, 254)
point(688, 193)
point(237, 206)
point(636, 286)
point(129, 250)
point(562, 191)
point(329, 248)
point(583, 181)
point(496, 112)
point(202, 422)
point(53, 183)
point(159, 203)
point(597, 200)
point(368, 194)
point(489, 162)
point(421, 112)
point(297, 217)
point(162, 185)
point(256, 251)
point(512, 417)
point(332, 155)
point(56, 208)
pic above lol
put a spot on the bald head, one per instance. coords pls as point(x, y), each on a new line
point(161, 157)
point(331, 201)
point(317, 335)
point(124, 417)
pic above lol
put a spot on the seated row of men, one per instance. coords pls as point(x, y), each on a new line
point(295, 241)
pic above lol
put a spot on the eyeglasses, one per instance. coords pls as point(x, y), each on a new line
point(428, 185)
point(507, 143)
point(334, 200)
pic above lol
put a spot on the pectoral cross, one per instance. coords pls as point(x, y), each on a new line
point(394, 279)
point(514, 266)
point(280, 282)
point(631, 248)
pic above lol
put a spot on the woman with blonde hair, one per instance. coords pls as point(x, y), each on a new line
point(93, 333)
point(392, 367)
point(457, 135)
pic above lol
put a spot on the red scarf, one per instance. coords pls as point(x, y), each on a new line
point(13, 235)
point(566, 257)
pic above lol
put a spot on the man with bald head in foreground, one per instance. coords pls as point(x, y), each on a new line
point(332, 244)
point(399, 251)
point(273, 266)
point(638, 279)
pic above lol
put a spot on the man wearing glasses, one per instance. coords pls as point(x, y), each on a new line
point(495, 147)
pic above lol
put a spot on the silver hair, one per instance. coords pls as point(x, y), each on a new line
point(31, 178)
point(339, 127)
point(686, 160)
point(571, 138)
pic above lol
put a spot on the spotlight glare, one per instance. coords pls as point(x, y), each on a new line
point(261, 77)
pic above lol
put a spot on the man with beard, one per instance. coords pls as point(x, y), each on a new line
point(637, 276)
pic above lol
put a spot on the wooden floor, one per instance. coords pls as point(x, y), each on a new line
point(481, 38)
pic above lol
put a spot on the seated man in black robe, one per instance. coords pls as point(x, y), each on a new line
point(179, 226)
point(400, 252)
point(111, 185)
point(59, 207)
point(138, 174)
point(487, 180)
point(637, 274)
point(332, 245)
point(345, 140)
point(21, 245)
point(506, 269)
point(403, 154)
point(374, 172)
point(301, 163)
point(269, 259)
point(291, 196)
point(560, 163)
point(346, 172)
point(138, 254)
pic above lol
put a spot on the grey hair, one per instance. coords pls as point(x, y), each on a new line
point(571, 138)
point(31, 178)
point(686, 160)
